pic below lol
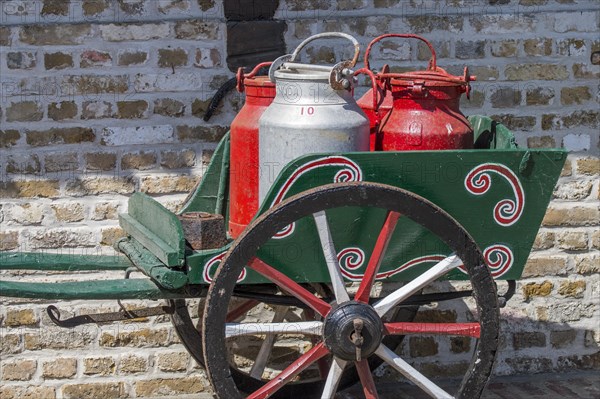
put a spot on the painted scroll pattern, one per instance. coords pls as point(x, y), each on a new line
point(478, 181)
point(349, 172)
point(498, 257)
point(213, 263)
point(352, 258)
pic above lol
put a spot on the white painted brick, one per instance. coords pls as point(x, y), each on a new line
point(577, 142)
point(576, 22)
point(137, 135)
point(180, 81)
point(119, 33)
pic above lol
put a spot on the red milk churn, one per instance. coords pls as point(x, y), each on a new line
point(425, 112)
point(376, 104)
point(244, 167)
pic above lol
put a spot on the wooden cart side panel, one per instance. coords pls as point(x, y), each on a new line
point(499, 196)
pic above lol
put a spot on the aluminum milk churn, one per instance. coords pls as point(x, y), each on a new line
point(313, 111)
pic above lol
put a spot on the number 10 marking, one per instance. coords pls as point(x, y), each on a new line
point(309, 111)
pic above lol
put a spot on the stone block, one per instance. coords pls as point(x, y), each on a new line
point(132, 57)
point(96, 110)
point(527, 339)
point(22, 317)
point(9, 138)
point(572, 289)
point(95, 58)
point(173, 361)
point(58, 136)
point(47, 35)
point(24, 111)
point(169, 386)
point(138, 160)
point(531, 290)
point(99, 366)
point(18, 370)
point(562, 339)
point(575, 95)
point(536, 72)
point(167, 185)
point(21, 60)
point(95, 186)
point(588, 166)
point(70, 212)
point(177, 159)
point(132, 109)
point(59, 368)
point(113, 390)
point(130, 364)
point(171, 58)
point(544, 266)
point(62, 110)
point(539, 96)
point(422, 346)
point(169, 107)
point(197, 30)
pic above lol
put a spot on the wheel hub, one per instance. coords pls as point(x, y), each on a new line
point(352, 331)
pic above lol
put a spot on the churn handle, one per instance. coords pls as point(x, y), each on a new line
point(351, 63)
point(240, 75)
point(432, 61)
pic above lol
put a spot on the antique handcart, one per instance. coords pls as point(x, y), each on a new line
point(323, 284)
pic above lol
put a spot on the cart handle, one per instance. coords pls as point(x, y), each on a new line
point(241, 76)
point(432, 62)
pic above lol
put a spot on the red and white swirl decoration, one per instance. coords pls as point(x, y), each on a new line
point(478, 182)
point(211, 266)
point(352, 258)
point(350, 172)
point(499, 259)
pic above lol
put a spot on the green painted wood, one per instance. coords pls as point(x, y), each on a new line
point(438, 176)
point(156, 228)
point(151, 266)
point(97, 289)
point(211, 191)
point(61, 262)
point(489, 134)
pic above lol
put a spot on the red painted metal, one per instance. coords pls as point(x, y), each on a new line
point(418, 110)
point(366, 379)
point(290, 286)
point(241, 310)
point(317, 352)
point(244, 168)
point(364, 290)
point(406, 328)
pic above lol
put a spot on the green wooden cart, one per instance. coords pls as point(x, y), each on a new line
point(325, 282)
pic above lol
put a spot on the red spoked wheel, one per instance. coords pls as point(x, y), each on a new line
point(349, 331)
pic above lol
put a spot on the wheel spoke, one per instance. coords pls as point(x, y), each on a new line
point(333, 378)
point(241, 310)
point(303, 327)
point(383, 306)
point(337, 281)
point(463, 329)
point(289, 285)
point(366, 379)
point(388, 356)
point(364, 291)
point(265, 349)
point(290, 372)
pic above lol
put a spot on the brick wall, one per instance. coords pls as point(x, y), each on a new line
point(103, 98)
